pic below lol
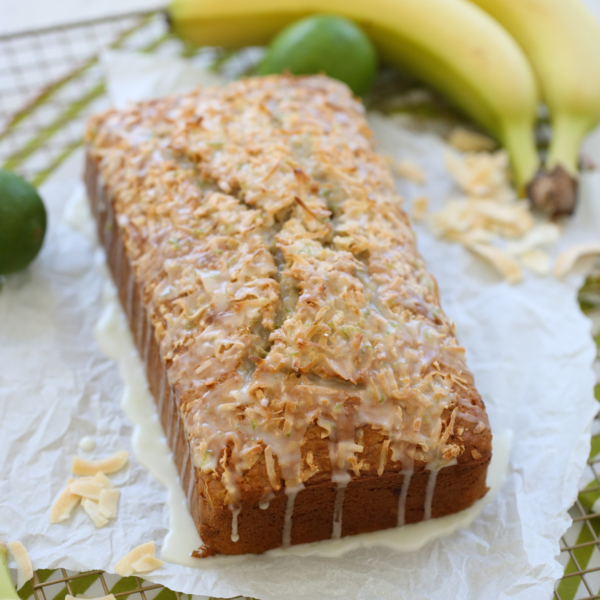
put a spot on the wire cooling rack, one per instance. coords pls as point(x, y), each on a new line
point(50, 82)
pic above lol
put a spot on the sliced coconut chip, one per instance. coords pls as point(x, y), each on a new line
point(476, 235)
point(510, 220)
point(566, 260)
point(147, 563)
point(543, 234)
point(454, 217)
point(108, 503)
point(507, 266)
point(86, 489)
point(409, 169)
point(466, 140)
point(419, 208)
point(124, 567)
point(21, 558)
point(481, 174)
point(537, 260)
point(111, 464)
point(64, 504)
point(103, 480)
point(92, 508)
point(463, 214)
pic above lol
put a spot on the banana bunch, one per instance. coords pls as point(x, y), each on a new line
point(468, 53)
point(562, 40)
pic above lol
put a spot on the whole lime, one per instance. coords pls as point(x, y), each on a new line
point(324, 44)
point(22, 222)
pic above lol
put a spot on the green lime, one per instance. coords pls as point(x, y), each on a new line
point(324, 44)
point(22, 223)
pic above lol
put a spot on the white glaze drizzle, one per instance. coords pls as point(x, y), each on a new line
point(234, 523)
point(148, 441)
point(406, 477)
point(429, 492)
point(286, 539)
point(339, 509)
point(87, 444)
point(265, 501)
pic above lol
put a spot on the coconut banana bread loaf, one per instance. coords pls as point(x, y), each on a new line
point(306, 377)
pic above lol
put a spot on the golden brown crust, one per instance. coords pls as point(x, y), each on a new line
point(370, 504)
point(360, 379)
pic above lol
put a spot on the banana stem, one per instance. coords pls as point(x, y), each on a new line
point(7, 589)
point(567, 133)
point(519, 141)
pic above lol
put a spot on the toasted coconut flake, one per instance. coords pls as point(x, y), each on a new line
point(383, 457)
point(566, 260)
point(64, 504)
point(147, 563)
point(481, 174)
point(124, 567)
point(419, 208)
point(409, 169)
point(466, 140)
point(507, 266)
point(510, 220)
point(537, 260)
point(543, 234)
point(111, 464)
point(477, 235)
point(21, 558)
point(92, 508)
point(103, 480)
point(108, 503)
point(86, 489)
point(463, 214)
point(270, 461)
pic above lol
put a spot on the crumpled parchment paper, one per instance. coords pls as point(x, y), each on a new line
point(529, 347)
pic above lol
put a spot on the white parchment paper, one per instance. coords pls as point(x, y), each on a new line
point(529, 347)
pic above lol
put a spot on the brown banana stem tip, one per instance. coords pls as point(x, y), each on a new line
point(553, 192)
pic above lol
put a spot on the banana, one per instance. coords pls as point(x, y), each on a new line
point(562, 40)
point(451, 44)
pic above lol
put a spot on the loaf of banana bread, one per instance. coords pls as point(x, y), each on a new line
point(306, 377)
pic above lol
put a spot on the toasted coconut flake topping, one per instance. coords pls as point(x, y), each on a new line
point(64, 504)
point(567, 259)
point(282, 278)
point(111, 464)
point(124, 567)
point(21, 558)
